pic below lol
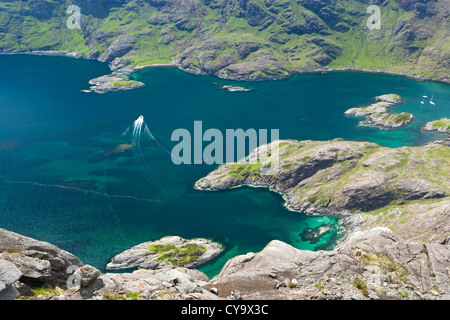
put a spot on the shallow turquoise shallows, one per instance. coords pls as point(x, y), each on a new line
point(62, 179)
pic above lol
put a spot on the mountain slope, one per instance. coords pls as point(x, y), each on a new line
point(246, 39)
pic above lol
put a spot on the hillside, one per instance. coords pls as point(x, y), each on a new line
point(246, 39)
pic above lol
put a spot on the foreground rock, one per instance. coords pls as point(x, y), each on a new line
point(422, 221)
point(441, 125)
point(162, 284)
point(372, 264)
point(377, 114)
point(40, 263)
point(28, 263)
point(369, 264)
point(167, 251)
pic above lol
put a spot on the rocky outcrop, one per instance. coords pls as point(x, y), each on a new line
point(379, 107)
point(167, 251)
point(339, 177)
point(162, 284)
point(388, 120)
point(40, 263)
point(369, 264)
point(441, 125)
point(9, 274)
point(235, 88)
point(377, 114)
point(114, 82)
point(415, 221)
point(372, 264)
point(119, 48)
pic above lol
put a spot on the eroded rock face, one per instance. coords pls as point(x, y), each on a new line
point(161, 284)
point(120, 47)
point(441, 125)
point(114, 82)
point(9, 274)
point(134, 31)
point(40, 263)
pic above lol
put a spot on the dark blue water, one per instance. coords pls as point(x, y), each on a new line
point(61, 182)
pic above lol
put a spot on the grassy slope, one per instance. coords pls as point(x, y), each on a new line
point(20, 29)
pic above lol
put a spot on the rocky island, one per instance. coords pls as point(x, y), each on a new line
point(441, 125)
point(113, 82)
point(167, 251)
point(377, 114)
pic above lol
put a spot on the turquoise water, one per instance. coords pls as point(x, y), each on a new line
point(60, 182)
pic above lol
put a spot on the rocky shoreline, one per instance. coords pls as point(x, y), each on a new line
point(338, 177)
point(441, 126)
point(119, 68)
point(382, 72)
point(373, 264)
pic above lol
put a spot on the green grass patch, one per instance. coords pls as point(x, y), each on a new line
point(177, 256)
point(361, 285)
point(242, 171)
point(441, 123)
point(119, 84)
point(125, 296)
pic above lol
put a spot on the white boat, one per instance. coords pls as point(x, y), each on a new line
point(425, 95)
point(431, 101)
point(423, 101)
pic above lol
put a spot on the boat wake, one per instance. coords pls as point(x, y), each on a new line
point(71, 188)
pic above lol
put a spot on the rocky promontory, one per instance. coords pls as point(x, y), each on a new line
point(167, 251)
point(371, 265)
point(377, 114)
point(340, 177)
point(441, 125)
